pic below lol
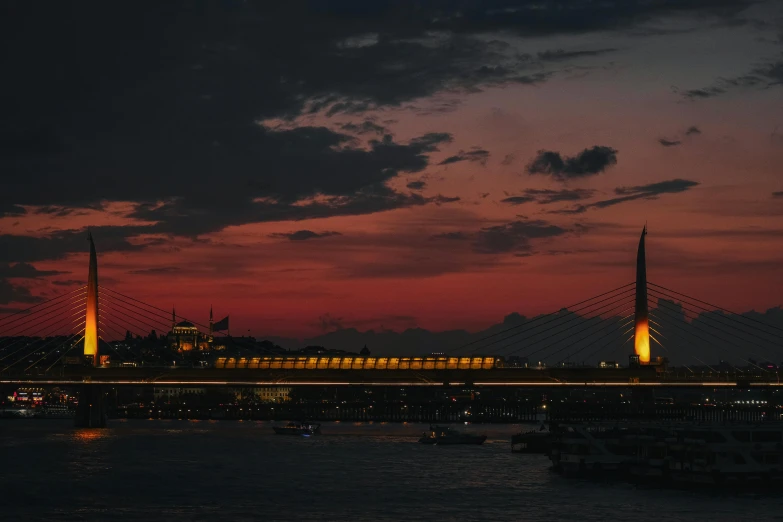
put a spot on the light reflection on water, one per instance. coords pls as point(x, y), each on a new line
point(182, 470)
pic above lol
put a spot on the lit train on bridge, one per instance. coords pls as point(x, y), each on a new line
point(360, 363)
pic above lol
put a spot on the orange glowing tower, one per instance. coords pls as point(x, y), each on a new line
point(91, 324)
point(641, 337)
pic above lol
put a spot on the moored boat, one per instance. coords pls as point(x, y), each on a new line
point(298, 428)
point(533, 441)
point(675, 454)
point(443, 435)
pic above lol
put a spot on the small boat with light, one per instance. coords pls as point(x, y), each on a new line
point(443, 435)
point(302, 429)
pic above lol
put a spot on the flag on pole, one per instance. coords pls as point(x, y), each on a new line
point(221, 325)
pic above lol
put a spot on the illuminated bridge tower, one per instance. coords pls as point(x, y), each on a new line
point(91, 324)
point(641, 337)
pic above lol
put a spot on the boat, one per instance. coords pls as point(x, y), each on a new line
point(674, 454)
point(304, 429)
point(533, 441)
point(442, 435)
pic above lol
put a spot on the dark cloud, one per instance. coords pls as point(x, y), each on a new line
point(669, 143)
point(26, 271)
point(692, 130)
point(547, 196)
point(68, 282)
point(561, 55)
point(476, 155)
point(157, 270)
point(765, 76)
point(328, 322)
point(9, 209)
point(514, 237)
point(168, 117)
point(778, 194)
point(10, 293)
point(589, 162)
point(707, 92)
point(518, 200)
point(508, 160)
point(416, 185)
point(452, 236)
point(366, 127)
point(58, 245)
point(625, 194)
point(302, 235)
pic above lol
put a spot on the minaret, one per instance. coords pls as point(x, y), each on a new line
point(91, 323)
point(173, 318)
point(641, 335)
point(210, 324)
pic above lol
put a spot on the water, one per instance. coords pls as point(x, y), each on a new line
point(240, 471)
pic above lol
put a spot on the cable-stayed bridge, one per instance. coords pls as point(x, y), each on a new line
point(99, 335)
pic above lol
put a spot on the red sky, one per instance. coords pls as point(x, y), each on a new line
point(718, 239)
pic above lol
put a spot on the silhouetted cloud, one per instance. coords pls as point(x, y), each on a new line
point(68, 282)
point(514, 237)
point(416, 185)
point(547, 196)
point(508, 159)
point(26, 271)
point(707, 92)
point(158, 270)
point(560, 54)
point(518, 200)
point(475, 155)
point(302, 235)
point(366, 127)
point(651, 191)
point(328, 322)
point(669, 143)
point(10, 293)
point(451, 236)
point(765, 76)
point(692, 130)
point(589, 162)
point(778, 194)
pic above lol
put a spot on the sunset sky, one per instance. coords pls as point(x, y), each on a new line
point(368, 164)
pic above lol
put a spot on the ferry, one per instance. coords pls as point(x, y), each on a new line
point(442, 435)
point(672, 454)
point(300, 428)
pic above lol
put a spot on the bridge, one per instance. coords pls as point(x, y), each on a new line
point(96, 337)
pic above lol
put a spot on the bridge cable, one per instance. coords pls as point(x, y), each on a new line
point(564, 339)
point(613, 329)
point(40, 304)
point(31, 318)
point(702, 338)
point(559, 328)
point(47, 354)
point(154, 307)
point(613, 318)
point(538, 318)
point(119, 304)
point(716, 307)
point(47, 321)
point(52, 327)
point(565, 318)
point(711, 315)
point(704, 317)
point(35, 349)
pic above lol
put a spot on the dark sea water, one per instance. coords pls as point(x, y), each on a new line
point(239, 471)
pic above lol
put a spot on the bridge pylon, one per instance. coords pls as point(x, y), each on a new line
point(91, 320)
point(641, 340)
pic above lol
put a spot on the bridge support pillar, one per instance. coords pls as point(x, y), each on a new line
point(91, 410)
